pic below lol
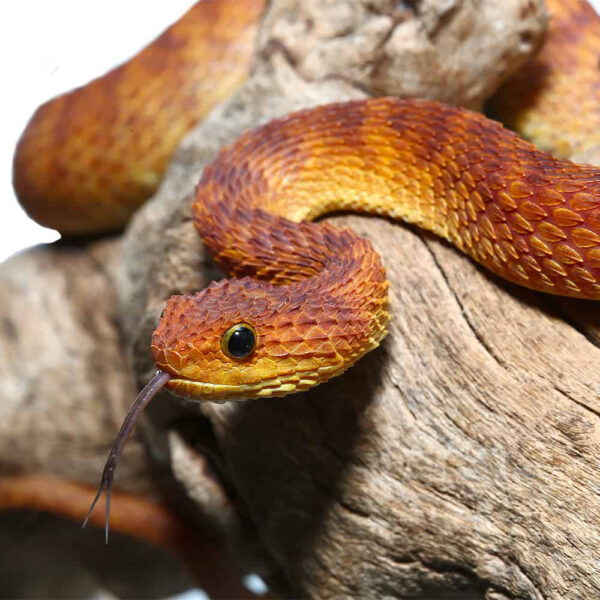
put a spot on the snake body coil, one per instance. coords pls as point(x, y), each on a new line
point(553, 99)
point(88, 159)
point(316, 295)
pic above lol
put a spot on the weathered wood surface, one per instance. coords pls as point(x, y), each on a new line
point(458, 460)
point(64, 378)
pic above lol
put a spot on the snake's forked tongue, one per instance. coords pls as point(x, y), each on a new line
point(139, 404)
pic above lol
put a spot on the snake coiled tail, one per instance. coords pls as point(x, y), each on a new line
point(553, 99)
point(89, 158)
point(315, 296)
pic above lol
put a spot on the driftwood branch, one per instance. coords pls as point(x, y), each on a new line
point(64, 378)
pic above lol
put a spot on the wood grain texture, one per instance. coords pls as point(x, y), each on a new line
point(458, 454)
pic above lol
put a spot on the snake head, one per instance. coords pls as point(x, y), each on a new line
point(242, 338)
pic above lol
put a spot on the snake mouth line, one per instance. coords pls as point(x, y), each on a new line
point(200, 390)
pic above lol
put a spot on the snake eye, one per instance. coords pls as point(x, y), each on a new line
point(239, 341)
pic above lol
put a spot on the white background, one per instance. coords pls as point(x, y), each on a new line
point(52, 46)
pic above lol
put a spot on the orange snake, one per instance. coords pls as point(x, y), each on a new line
point(308, 300)
point(89, 158)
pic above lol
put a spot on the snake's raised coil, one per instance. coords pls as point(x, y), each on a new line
point(315, 296)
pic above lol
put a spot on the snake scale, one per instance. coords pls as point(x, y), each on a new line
point(89, 158)
point(306, 300)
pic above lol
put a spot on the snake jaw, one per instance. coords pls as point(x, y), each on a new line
point(202, 391)
point(276, 383)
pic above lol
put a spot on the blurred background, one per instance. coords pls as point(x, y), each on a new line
point(49, 48)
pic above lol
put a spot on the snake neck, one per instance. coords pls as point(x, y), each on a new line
point(526, 216)
point(335, 284)
point(316, 296)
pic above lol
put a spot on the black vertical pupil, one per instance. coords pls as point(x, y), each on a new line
point(241, 342)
